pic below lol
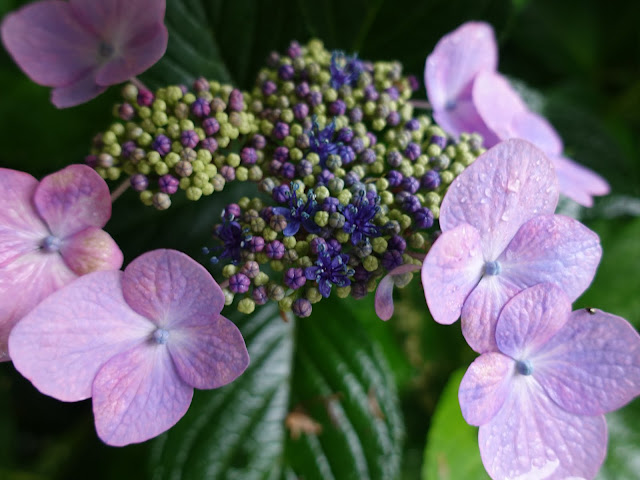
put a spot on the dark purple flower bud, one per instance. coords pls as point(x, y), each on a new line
point(430, 180)
point(302, 89)
point(258, 142)
point(337, 108)
point(251, 269)
point(233, 210)
point(424, 218)
point(139, 182)
point(314, 98)
point(333, 246)
point(357, 145)
point(412, 151)
point(346, 154)
point(294, 278)
point(201, 108)
point(393, 93)
point(201, 84)
point(412, 124)
point(395, 178)
point(372, 139)
point(145, 98)
point(345, 135)
point(330, 204)
point(286, 72)
point(304, 168)
point(168, 184)
point(300, 111)
point(413, 83)
point(370, 93)
point(248, 156)
point(324, 177)
point(275, 250)
point(210, 144)
point(372, 196)
point(239, 283)
point(126, 111)
point(217, 105)
point(228, 173)
point(355, 115)
point(281, 130)
point(161, 144)
point(318, 244)
point(281, 154)
point(259, 295)
point(189, 138)
point(236, 100)
point(91, 160)
point(410, 184)
point(269, 88)
point(394, 158)
point(288, 170)
point(359, 290)
point(281, 194)
point(391, 259)
point(301, 307)
point(210, 126)
point(256, 244)
point(368, 156)
point(360, 274)
point(128, 148)
point(183, 88)
point(438, 140)
point(275, 166)
point(351, 178)
point(396, 242)
point(393, 118)
point(294, 49)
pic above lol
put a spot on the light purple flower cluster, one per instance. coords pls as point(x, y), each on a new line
point(467, 94)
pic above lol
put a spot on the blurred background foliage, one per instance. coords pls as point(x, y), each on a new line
point(358, 377)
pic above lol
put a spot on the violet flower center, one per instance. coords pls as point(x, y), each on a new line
point(105, 50)
point(50, 244)
point(524, 367)
point(492, 268)
point(161, 336)
point(450, 105)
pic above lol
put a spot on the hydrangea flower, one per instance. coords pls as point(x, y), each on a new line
point(138, 342)
point(499, 237)
point(50, 233)
point(81, 47)
point(299, 212)
point(329, 270)
point(539, 400)
point(384, 293)
point(468, 95)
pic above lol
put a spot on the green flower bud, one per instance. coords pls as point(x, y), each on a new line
point(379, 245)
point(246, 305)
point(313, 295)
point(276, 265)
point(289, 242)
point(228, 296)
point(343, 292)
point(446, 177)
point(161, 168)
point(321, 218)
point(285, 304)
point(416, 241)
point(370, 263)
point(261, 279)
point(194, 193)
point(229, 270)
point(344, 197)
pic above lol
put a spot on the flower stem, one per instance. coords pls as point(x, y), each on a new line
point(136, 81)
point(120, 189)
point(422, 104)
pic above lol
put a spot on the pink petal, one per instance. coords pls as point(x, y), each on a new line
point(530, 319)
point(91, 250)
point(171, 289)
point(485, 387)
point(578, 182)
point(537, 130)
point(497, 103)
point(48, 43)
point(60, 345)
point(83, 89)
point(455, 61)
point(592, 365)
point(481, 309)
point(532, 438)
point(501, 190)
point(72, 199)
point(451, 269)
point(208, 352)
point(464, 118)
point(137, 395)
point(554, 249)
point(384, 292)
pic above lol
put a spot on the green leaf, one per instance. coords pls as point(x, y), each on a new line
point(623, 451)
point(335, 380)
point(452, 445)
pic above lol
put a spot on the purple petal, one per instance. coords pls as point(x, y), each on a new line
point(384, 292)
point(485, 387)
point(208, 352)
point(531, 437)
point(49, 44)
point(579, 183)
point(451, 269)
point(83, 89)
point(537, 130)
point(456, 59)
point(481, 309)
point(463, 117)
point(72, 199)
point(554, 249)
point(171, 289)
point(497, 103)
point(137, 395)
point(501, 190)
point(530, 319)
point(592, 365)
point(91, 250)
point(60, 345)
